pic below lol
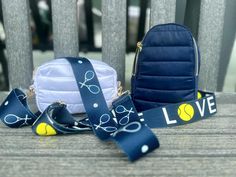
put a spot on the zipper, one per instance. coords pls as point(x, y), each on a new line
point(196, 57)
point(138, 50)
point(31, 91)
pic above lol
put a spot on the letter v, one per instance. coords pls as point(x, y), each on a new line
point(201, 110)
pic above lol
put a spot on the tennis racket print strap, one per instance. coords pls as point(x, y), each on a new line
point(55, 120)
point(14, 111)
point(122, 125)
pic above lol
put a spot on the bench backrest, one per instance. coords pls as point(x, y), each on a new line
point(65, 35)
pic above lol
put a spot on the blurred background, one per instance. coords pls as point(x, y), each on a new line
point(90, 34)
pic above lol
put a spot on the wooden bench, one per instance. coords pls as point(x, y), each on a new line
point(205, 148)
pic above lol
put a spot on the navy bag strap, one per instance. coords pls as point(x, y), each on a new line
point(14, 111)
point(92, 97)
point(124, 126)
point(181, 113)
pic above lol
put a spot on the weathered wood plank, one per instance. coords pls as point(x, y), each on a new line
point(201, 166)
point(18, 42)
point(65, 28)
point(229, 31)
point(88, 145)
point(83, 166)
point(50, 157)
point(226, 98)
point(114, 35)
point(210, 35)
point(162, 11)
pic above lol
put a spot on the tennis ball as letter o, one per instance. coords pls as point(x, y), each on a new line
point(185, 112)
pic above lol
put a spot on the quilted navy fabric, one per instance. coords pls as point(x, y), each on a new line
point(166, 68)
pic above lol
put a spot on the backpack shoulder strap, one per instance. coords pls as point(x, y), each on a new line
point(181, 113)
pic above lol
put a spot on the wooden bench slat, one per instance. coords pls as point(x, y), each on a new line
point(162, 11)
point(210, 35)
point(191, 18)
point(81, 166)
point(114, 35)
point(185, 145)
point(65, 28)
point(18, 42)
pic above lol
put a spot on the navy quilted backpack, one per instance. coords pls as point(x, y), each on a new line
point(166, 67)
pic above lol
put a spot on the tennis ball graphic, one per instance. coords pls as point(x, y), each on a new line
point(44, 129)
point(185, 112)
point(199, 95)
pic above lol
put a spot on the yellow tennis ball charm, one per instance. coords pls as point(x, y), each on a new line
point(43, 129)
point(199, 95)
point(185, 112)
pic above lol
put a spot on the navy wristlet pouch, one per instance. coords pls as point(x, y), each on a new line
point(121, 123)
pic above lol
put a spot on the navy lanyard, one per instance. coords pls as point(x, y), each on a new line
point(122, 124)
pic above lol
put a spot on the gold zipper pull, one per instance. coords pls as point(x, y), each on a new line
point(139, 46)
point(31, 91)
point(138, 49)
point(120, 89)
